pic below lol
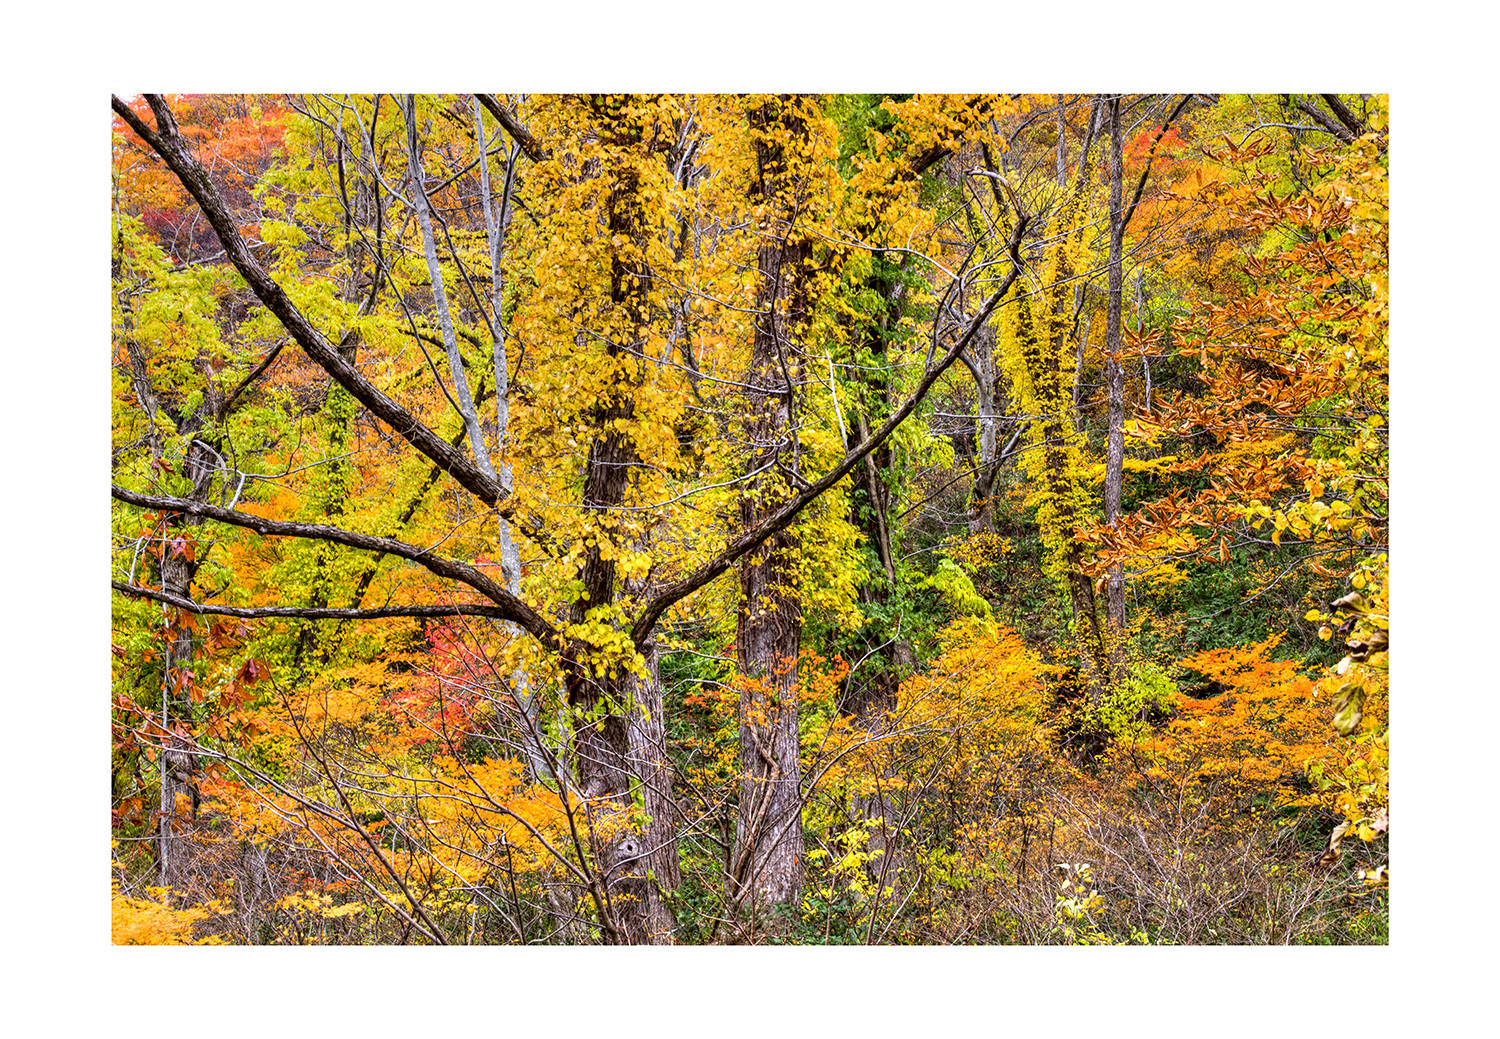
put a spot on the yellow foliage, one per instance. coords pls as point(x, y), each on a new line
point(484, 815)
point(138, 921)
point(150, 921)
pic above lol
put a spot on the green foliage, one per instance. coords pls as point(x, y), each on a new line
point(1126, 709)
point(857, 116)
point(957, 590)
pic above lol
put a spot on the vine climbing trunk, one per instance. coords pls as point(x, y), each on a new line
point(766, 864)
point(616, 714)
point(1042, 336)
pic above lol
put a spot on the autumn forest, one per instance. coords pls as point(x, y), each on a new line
point(932, 519)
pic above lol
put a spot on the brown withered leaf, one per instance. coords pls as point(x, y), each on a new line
point(1331, 854)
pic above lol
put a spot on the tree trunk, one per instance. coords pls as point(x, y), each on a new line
point(179, 765)
point(766, 865)
point(1114, 370)
point(986, 379)
point(528, 704)
point(439, 296)
point(610, 735)
point(649, 761)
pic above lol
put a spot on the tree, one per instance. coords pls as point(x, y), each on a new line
point(589, 519)
point(1114, 371)
point(1037, 350)
point(767, 860)
point(611, 158)
point(1293, 355)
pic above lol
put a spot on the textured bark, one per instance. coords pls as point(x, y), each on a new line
point(1348, 118)
point(140, 380)
point(518, 133)
point(179, 765)
point(991, 454)
point(611, 732)
point(981, 508)
point(766, 865)
point(1062, 141)
point(650, 763)
point(1344, 133)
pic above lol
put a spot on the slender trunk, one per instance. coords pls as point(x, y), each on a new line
point(528, 703)
point(1062, 141)
point(439, 296)
point(981, 507)
point(1145, 358)
point(1114, 370)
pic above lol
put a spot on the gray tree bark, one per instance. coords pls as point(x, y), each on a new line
point(527, 702)
point(1114, 369)
point(439, 295)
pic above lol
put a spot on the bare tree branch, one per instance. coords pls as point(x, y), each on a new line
point(518, 133)
point(509, 606)
point(309, 612)
point(169, 143)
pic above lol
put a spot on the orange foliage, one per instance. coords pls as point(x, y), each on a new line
point(1261, 732)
